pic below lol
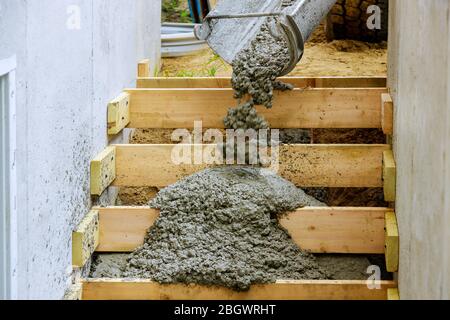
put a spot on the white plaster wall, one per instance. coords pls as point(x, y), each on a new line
point(419, 77)
point(64, 80)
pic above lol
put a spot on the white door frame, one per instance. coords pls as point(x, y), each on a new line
point(7, 68)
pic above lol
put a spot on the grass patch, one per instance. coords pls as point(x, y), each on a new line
point(176, 11)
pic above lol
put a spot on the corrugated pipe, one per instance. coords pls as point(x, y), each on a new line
point(178, 39)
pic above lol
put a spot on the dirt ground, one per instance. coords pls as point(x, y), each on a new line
point(321, 58)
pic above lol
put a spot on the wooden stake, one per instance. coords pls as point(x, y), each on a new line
point(389, 176)
point(103, 171)
point(144, 68)
point(85, 239)
point(392, 242)
point(118, 114)
point(393, 294)
point(387, 114)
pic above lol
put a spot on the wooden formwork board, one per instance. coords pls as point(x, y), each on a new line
point(300, 108)
point(327, 103)
point(144, 68)
point(318, 230)
point(103, 170)
point(298, 82)
point(303, 165)
point(393, 294)
point(134, 289)
point(392, 247)
point(85, 239)
point(387, 114)
point(118, 114)
point(389, 176)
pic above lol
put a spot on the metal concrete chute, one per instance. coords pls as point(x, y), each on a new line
point(233, 24)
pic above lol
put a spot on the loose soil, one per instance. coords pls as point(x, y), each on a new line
point(321, 58)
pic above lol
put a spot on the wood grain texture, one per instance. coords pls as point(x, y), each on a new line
point(308, 108)
point(303, 165)
point(389, 176)
point(118, 114)
point(337, 230)
point(144, 68)
point(120, 289)
point(103, 170)
point(392, 247)
point(337, 166)
point(122, 229)
point(85, 239)
point(387, 114)
point(319, 230)
point(393, 294)
point(225, 82)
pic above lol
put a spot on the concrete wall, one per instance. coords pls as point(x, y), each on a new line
point(65, 77)
point(419, 77)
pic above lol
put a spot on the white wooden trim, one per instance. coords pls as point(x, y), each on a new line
point(13, 184)
point(7, 65)
point(7, 68)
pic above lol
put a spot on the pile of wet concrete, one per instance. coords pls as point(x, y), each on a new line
point(220, 227)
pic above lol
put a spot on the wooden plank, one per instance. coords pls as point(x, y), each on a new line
point(392, 242)
point(144, 68)
point(149, 165)
point(387, 114)
point(298, 82)
point(319, 230)
point(103, 170)
point(184, 82)
point(337, 230)
point(303, 165)
point(85, 239)
point(389, 176)
point(122, 229)
point(118, 114)
point(308, 108)
point(340, 166)
point(121, 289)
point(350, 82)
point(393, 294)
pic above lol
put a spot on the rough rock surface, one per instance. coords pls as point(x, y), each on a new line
point(219, 227)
